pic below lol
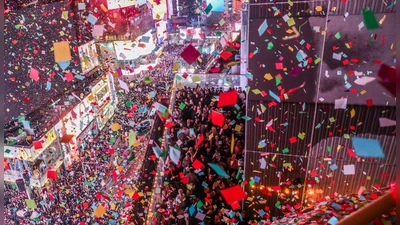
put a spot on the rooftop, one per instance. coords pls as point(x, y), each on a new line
point(48, 115)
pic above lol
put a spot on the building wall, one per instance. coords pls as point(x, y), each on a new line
point(74, 123)
point(323, 145)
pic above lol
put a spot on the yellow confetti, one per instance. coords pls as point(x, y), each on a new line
point(273, 158)
point(289, 31)
point(103, 8)
point(352, 113)
point(286, 96)
point(238, 128)
point(287, 165)
point(268, 76)
point(382, 20)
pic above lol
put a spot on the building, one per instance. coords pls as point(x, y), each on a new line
point(61, 139)
point(64, 99)
point(302, 151)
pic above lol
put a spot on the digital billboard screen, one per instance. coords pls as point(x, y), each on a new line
point(116, 4)
point(218, 5)
point(159, 9)
point(129, 50)
point(191, 33)
point(141, 2)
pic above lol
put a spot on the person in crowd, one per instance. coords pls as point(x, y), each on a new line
point(91, 179)
point(203, 184)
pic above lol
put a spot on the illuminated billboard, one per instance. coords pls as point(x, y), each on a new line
point(116, 4)
point(237, 5)
point(88, 56)
point(159, 10)
point(129, 50)
point(191, 33)
point(161, 30)
point(218, 5)
point(141, 2)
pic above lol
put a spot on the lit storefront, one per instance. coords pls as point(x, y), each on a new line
point(105, 104)
point(34, 160)
point(50, 158)
point(159, 9)
point(105, 114)
point(112, 88)
point(78, 119)
point(161, 31)
point(130, 50)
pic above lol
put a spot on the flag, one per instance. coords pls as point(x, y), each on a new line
point(227, 99)
point(160, 107)
point(132, 138)
point(163, 116)
point(232, 143)
point(199, 141)
point(174, 154)
point(157, 151)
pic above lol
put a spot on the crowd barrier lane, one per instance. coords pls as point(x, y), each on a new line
point(132, 166)
point(159, 180)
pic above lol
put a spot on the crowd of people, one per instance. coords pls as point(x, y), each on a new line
point(104, 170)
point(189, 194)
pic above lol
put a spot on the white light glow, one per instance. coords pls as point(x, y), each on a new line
point(193, 32)
point(128, 50)
point(138, 70)
point(116, 4)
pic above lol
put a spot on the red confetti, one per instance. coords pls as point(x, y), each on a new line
point(369, 102)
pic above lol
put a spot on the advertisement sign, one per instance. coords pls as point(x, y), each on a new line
point(141, 2)
point(116, 4)
point(159, 8)
point(107, 49)
point(218, 5)
point(161, 30)
point(88, 56)
point(129, 50)
point(190, 33)
point(237, 5)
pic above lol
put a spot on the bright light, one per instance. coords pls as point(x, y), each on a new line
point(138, 70)
point(159, 10)
point(193, 32)
point(112, 4)
point(125, 51)
point(88, 56)
point(238, 26)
